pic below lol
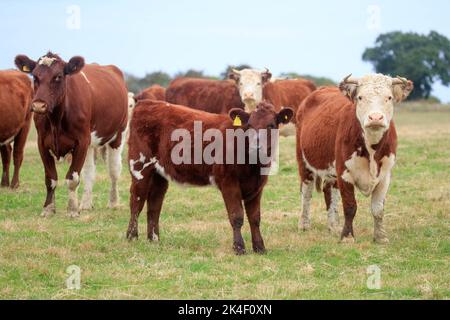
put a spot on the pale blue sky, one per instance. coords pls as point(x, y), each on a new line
point(322, 37)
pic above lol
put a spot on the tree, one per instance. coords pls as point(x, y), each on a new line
point(136, 84)
point(424, 59)
point(224, 75)
point(318, 81)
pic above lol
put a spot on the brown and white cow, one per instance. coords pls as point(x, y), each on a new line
point(346, 139)
point(155, 92)
point(16, 93)
point(77, 108)
point(152, 165)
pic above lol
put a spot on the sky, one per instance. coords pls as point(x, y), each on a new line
point(321, 37)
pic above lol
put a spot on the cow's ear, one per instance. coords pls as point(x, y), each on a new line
point(285, 116)
point(74, 65)
point(348, 90)
point(402, 91)
point(266, 76)
point(239, 117)
point(24, 63)
point(233, 75)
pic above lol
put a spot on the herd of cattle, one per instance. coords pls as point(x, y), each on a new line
point(346, 138)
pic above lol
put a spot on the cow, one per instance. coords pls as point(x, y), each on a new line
point(151, 147)
point(16, 93)
point(77, 108)
point(346, 139)
point(155, 92)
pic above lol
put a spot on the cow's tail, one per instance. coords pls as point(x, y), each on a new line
point(319, 184)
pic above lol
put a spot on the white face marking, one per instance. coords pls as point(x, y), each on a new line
point(363, 173)
point(138, 173)
point(375, 105)
point(250, 88)
point(46, 61)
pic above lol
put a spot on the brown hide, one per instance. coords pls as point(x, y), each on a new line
point(15, 100)
point(155, 92)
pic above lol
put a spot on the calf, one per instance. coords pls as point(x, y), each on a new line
point(155, 92)
point(16, 93)
point(77, 108)
point(152, 147)
point(349, 141)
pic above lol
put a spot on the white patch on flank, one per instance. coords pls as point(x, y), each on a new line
point(138, 173)
point(95, 140)
point(7, 141)
point(46, 61)
point(363, 173)
point(327, 175)
point(85, 77)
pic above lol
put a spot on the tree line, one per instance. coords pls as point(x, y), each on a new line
point(424, 59)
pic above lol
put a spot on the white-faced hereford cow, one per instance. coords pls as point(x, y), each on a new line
point(346, 139)
point(77, 108)
point(151, 147)
point(16, 93)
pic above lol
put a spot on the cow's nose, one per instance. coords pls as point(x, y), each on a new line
point(39, 107)
point(248, 95)
point(376, 117)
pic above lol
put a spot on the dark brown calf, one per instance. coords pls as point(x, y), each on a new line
point(77, 108)
point(151, 151)
point(15, 100)
point(346, 139)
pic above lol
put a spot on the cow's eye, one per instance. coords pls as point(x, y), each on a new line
point(390, 98)
point(360, 98)
point(259, 83)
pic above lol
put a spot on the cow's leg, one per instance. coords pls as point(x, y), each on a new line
point(349, 203)
point(88, 175)
point(377, 208)
point(51, 180)
point(73, 178)
point(306, 190)
point(332, 196)
point(114, 158)
point(253, 209)
point(232, 197)
point(19, 147)
point(157, 191)
point(6, 161)
point(139, 192)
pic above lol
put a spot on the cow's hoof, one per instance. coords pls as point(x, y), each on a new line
point(48, 211)
point(348, 240)
point(381, 240)
point(73, 214)
point(239, 251)
point(132, 235)
point(4, 184)
point(153, 237)
point(259, 250)
point(304, 226)
point(86, 207)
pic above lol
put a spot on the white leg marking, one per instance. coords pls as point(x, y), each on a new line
point(114, 158)
point(305, 221)
point(377, 208)
point(72, 208)
point(333, 216)
point(88, 175)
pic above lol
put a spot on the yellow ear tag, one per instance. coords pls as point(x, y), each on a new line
point(237, 122)
point(25, 69)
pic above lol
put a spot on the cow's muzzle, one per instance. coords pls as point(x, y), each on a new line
point(39, 107)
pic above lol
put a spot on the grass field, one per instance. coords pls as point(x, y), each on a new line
point(194, 258)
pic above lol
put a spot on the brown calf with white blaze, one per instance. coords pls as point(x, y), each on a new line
point(16, 93)
point(78, 108)
point(151, 163)
point(346, 139)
